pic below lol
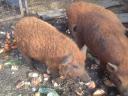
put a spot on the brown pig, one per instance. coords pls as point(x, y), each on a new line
point(39, 40)
point(79, 7)
point(105, 40)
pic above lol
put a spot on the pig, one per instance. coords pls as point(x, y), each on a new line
point(79, 7)
point(39, 40)
point(105, 40)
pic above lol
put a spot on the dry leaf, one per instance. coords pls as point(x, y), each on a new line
point(20, 84)
point(99, 92)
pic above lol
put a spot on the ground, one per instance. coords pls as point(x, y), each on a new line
point(17, 78)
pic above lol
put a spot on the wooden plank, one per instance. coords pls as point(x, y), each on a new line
point(10, 18)
point(106, 3)
point(21, 7)
point(61, 13)
point(123, 17)
point(26, 6)
point(52, 14)
point(109, 3)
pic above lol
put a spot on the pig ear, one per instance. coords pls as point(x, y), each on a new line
point(111, 67)
point(84, 49)
point(67, 59)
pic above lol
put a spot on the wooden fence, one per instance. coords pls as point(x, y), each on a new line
point(9, 10)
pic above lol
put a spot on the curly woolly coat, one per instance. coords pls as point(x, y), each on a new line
point(103, 34)
point(41, 41)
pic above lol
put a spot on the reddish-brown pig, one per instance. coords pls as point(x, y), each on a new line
point(79, 7)
point(39, 40)
point(103, 37)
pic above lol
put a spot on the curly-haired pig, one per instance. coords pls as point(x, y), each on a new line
point(106, 41)
point(39, 40)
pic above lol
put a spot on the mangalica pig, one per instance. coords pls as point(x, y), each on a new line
point(79, 7)
point(39, 40)
point(105, 40)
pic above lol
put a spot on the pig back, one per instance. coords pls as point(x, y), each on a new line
point(102, 36)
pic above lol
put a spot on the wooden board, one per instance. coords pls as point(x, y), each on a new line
point(123, 17)
point(52, 14)
point(61, 13)
point(108, 3)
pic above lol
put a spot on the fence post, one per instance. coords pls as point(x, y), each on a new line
point(26, 7)
point(21, 7)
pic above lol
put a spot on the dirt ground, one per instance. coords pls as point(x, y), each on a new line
point(17, 78)
point(11, 77)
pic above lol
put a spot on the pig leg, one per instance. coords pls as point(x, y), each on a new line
point(28, 61)
point(77, 37)
point(41, 67)
point(102, 70)
point(54, 72)
point(79, 42)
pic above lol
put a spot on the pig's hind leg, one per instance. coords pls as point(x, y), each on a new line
point(39, 66)
point(34, 64)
